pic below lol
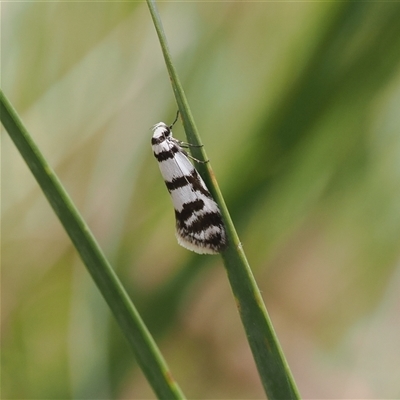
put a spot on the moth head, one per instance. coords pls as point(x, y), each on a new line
point(161, 130)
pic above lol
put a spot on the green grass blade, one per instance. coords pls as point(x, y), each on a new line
point(273, 369)
point(148, 355)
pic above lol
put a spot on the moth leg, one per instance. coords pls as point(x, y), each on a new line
point(187, 145)
point(193, 158)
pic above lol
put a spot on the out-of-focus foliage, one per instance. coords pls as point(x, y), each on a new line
point(298, 106)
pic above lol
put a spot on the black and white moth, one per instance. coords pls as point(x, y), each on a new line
point(199, 225)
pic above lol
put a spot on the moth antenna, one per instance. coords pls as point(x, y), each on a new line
point(176, 119)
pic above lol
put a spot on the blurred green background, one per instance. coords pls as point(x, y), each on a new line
point(298, 105)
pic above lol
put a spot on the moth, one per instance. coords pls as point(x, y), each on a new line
point(199, 224)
